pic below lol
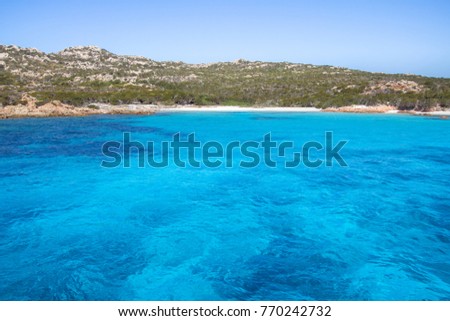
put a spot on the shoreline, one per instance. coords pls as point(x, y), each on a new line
point(343, 110)
point(238, 109)
point(58, 109)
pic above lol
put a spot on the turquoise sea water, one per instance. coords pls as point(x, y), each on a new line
point(378, 229)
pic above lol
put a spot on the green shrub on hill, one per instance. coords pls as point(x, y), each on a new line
point(124, 80)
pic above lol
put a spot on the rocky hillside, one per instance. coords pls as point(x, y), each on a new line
point(85, 75)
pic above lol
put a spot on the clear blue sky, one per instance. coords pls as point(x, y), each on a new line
point(407, 36)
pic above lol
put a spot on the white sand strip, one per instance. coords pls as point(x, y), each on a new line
point(436, 113)
point(239, 109)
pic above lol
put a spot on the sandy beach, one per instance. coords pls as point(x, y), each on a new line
point(58, 109)
point(435, 113)
point(357, 109)
point(237, 109)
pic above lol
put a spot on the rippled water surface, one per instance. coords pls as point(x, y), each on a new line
point(378, 229)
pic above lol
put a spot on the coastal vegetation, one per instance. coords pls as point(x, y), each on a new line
point(83, 76)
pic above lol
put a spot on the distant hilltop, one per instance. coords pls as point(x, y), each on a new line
point(84, 75)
